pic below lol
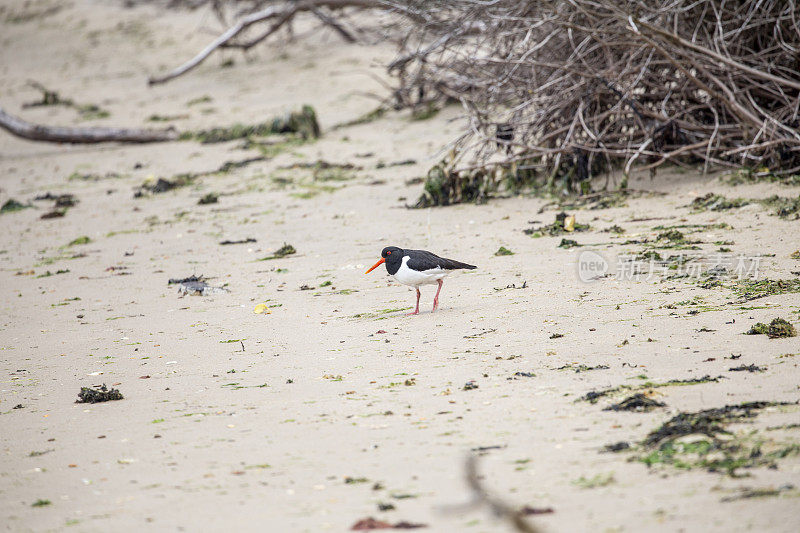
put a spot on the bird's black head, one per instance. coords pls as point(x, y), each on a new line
point(392, 256)
point(392, 252)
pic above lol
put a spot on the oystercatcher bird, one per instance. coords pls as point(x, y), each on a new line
point(417, 267)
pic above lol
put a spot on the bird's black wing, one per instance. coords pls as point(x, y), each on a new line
point(421, 260)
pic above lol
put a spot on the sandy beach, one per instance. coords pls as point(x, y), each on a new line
point(331, 404)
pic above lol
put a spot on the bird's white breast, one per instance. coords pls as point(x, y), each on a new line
point(415, 278)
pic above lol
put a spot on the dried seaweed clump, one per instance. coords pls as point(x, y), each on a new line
point(98, 394)
point(716, 202)
point(159, 185)
point(703, 439)
point(283, 251)
point(776, 329)
point(303, 123)
point(638, 402)
point(783, 207)
point(209, 198)
point(12, 205)
point(671, 235)
point(445, 186)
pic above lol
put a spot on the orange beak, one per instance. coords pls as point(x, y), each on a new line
point(376, 265)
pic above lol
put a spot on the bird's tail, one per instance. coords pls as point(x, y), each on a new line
point(451, 264)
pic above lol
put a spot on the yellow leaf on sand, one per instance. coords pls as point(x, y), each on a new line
point(569, 223)
point(261, 308)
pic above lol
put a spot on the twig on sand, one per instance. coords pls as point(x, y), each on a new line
point(57, 134)
point(282, 15)
point(500, 508)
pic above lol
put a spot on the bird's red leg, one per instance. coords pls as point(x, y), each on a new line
point(416, 311)
point(436, 298)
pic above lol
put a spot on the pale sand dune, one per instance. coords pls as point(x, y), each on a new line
point(275, 457)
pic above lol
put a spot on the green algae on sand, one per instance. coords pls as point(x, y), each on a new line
point(12, 205)
point(751, 289)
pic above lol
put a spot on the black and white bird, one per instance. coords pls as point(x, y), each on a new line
point(418, 267)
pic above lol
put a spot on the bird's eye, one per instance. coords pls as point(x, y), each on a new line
point(388, 253)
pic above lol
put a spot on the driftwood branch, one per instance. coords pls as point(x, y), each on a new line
point(283, 18)
point(56, 134)
point(226, 36)
point(500, 508)
point(281, 15)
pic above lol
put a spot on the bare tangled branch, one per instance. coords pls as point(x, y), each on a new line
point(576, 88)
point(279, 14)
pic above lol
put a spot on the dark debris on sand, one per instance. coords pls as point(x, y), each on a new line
point(528, 510)
point(747, 368)
point(709, 422)
point(616, 447)
point(368, 524)
point(190, 279)
point(240, 241)
point(283, 251)
point(703, 439)
point(62, 203)
point(163, 185)
point(61, 200)
point(638, 402)
point(98, 394)
point(582, 368)
point(210, 198)
point(195, 285)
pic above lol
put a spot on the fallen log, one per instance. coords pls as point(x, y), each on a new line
point(58, 134)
